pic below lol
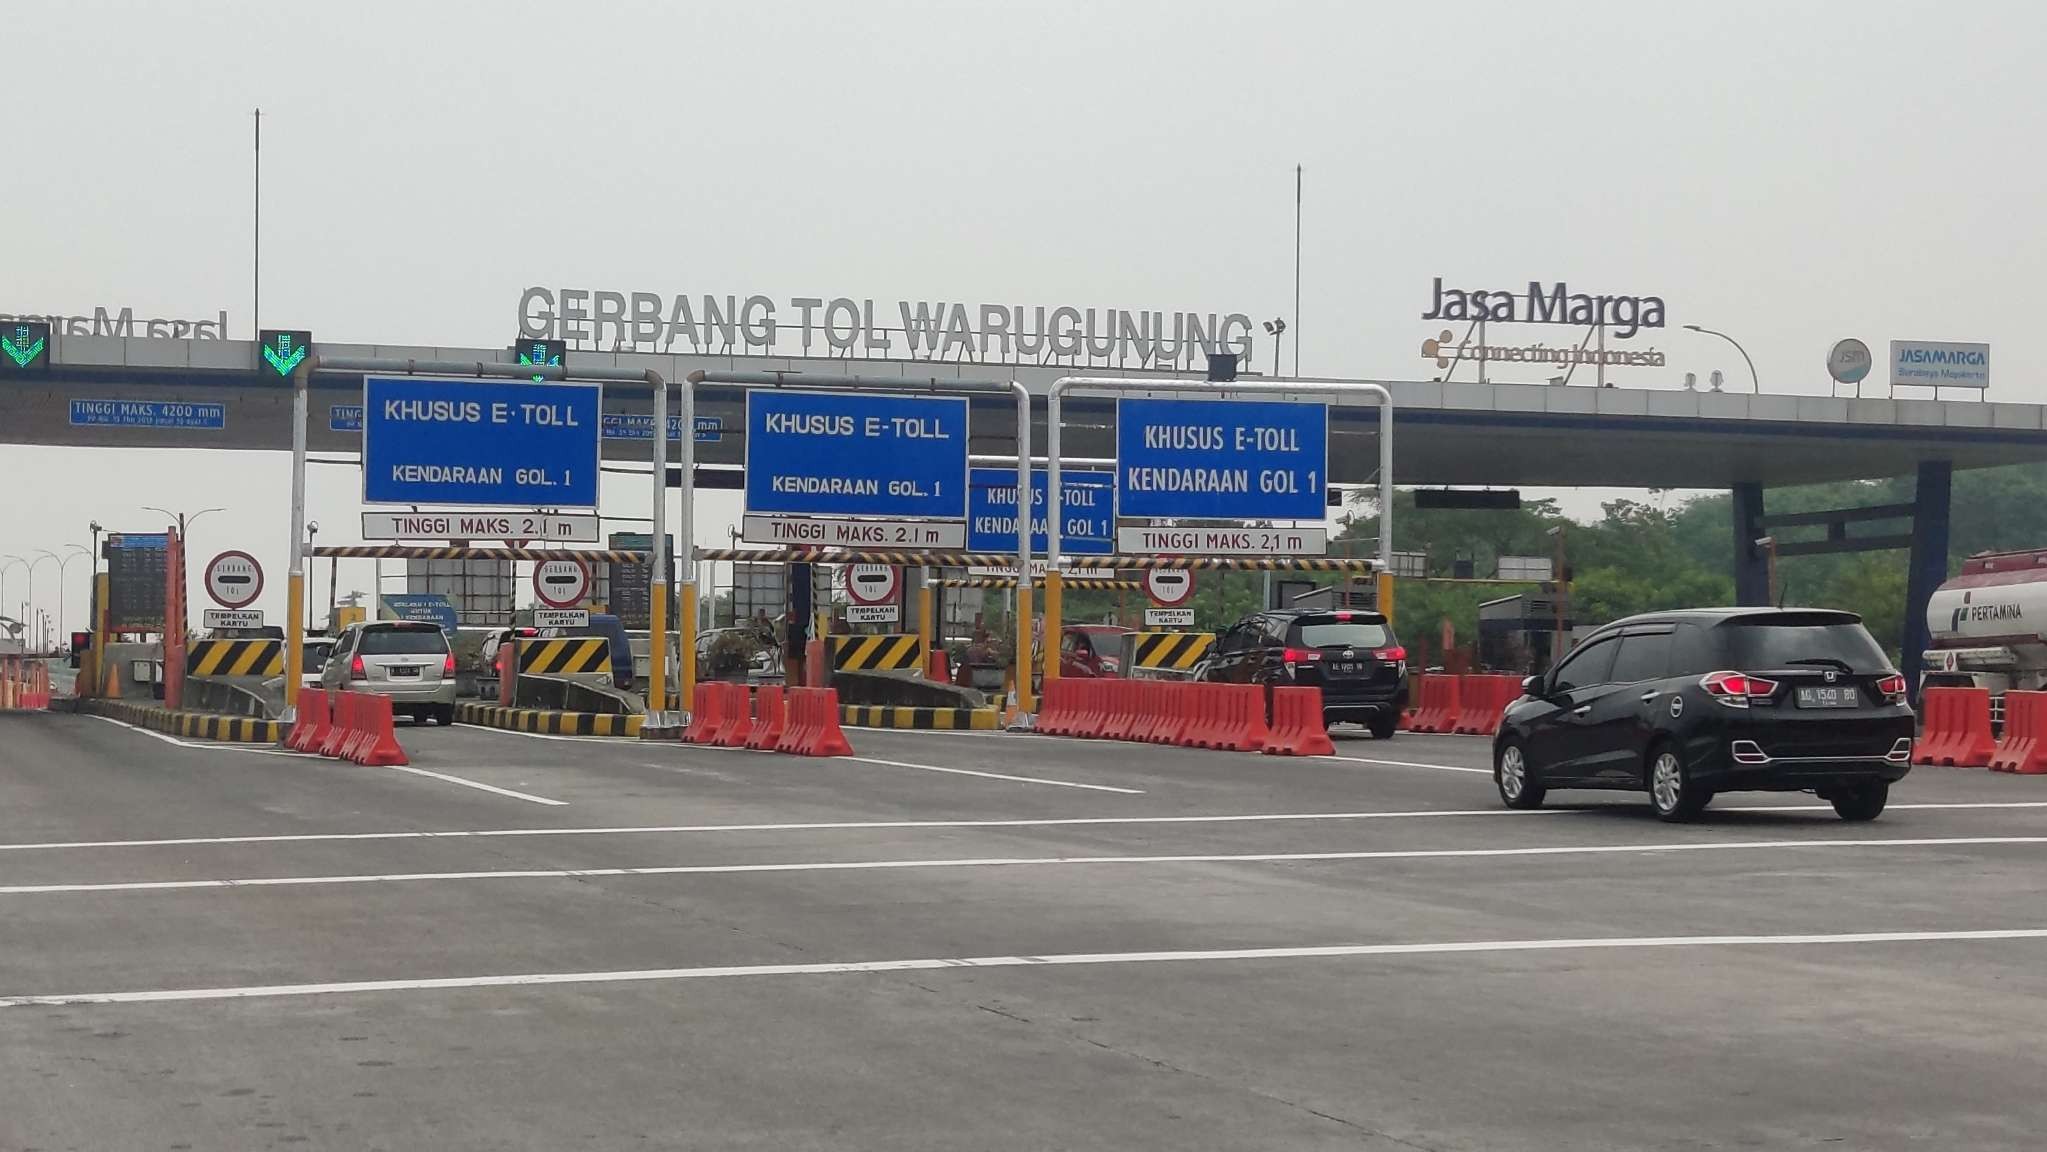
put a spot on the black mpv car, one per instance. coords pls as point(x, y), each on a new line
point(1352, 656)
point(1687, 704)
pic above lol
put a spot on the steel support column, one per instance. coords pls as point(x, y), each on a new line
point(1751, 565)
point(1928, 565)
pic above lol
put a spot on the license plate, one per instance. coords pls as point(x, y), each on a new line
point(1346, 667)
point(404, 671)
point(1836, 696)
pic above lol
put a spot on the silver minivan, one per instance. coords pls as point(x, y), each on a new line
point(409, 661)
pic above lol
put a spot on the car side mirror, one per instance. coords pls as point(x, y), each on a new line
point(1531, 686)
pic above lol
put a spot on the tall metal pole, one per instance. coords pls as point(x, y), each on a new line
point(295, 597)
point(1025, 698)
point(686, 580)
point(657, 592)
point(256, 243)
point(1297, 269)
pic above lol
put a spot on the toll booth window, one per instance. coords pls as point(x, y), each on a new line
point(403, 642)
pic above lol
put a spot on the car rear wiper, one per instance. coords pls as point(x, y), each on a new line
point(1830, 661)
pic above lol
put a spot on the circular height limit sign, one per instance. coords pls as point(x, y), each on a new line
point(561, 583)
point(871, 583)
point(234, 579)
point(1169, 587)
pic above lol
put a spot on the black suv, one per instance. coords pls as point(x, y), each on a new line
point(1352, 656)
point(1686, 704)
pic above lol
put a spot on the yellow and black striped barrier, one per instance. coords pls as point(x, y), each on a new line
point(443, 552)
point(928, 719)
point(1076, 584)
point(1357, 565)
point(566, 656)
point(892, 653)
point(549, 722)
point(1169, 651)
point(189, 725)
point(235, 658)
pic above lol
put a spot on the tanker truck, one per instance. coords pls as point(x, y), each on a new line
point(1988, 626)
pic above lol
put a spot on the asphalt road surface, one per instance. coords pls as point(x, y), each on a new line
point(992, 942)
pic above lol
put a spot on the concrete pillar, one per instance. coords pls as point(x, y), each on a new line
point(1928, 565)
point(1751, 565)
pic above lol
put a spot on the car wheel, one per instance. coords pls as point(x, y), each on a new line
point(1383, 725)
point(1861, 801)
point(1672, 792)
point(1519, 783)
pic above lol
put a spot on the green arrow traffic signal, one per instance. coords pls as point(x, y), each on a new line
point(24, 345)
point(285, 349)
point(546, 353)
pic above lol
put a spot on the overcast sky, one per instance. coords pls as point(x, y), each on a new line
point(1790, 173)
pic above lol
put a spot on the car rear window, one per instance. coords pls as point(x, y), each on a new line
point(1329, 633)
point(1786, 641)
point(402, 642)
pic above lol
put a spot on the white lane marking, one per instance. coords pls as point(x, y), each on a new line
point(211, 746)
point(884, 825)
point(1407, 764)
point(992, 775)
point(198, 745)
point(834, 825)
point(1054, 960)
point(478, 784)
point(1016, 862)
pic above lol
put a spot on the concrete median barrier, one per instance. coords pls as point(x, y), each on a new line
point(547, 722)
point(188, 725)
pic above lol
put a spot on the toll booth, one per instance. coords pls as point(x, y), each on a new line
point(1516, 633)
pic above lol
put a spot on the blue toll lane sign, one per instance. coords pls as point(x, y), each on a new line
point(344, 418)
point(1088, 526)
point(844, 454)
point(495, 443)
point(1222, 459)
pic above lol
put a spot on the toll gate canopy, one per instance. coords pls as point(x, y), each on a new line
point(168, 393)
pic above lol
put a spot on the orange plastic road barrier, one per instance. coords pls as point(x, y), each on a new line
point(1298, 728)
point(708, 718)
point(768, 719)
point(310, 729)
point(1955, 732)
point(813, 728)
point(1481, 700)
point(341, 713)
point(1122, 709)
point(1414, 698)
point(1093, 708)
point(738, 717)
point(1057, 701)
point(1176, 706)
point(2024, 748)
point(378, 747)
point(1245, 729)
point(1440, 706)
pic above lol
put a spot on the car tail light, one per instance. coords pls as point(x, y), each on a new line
point(448, 666)
point(1300, 655)
point(1736, 689)
point(356, 671)
point(1391, 655)
point(1891, 688)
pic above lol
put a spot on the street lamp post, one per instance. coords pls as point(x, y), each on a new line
point(63, 565)
point(1752, 380)
point(7, 562)
point(313, 530)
